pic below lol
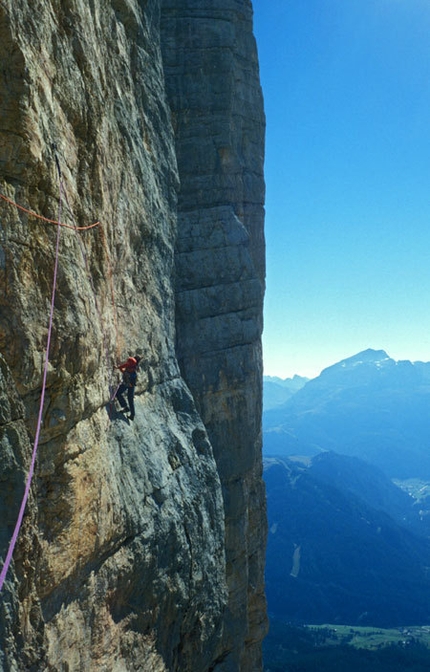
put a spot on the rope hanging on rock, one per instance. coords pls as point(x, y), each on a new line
point(59, 224)
point(112, 391)
point(31, 213)
point(42, 400)
point(73, 227)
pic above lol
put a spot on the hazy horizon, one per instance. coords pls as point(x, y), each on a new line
point(302, 375)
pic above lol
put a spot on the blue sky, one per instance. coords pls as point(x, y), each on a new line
point(346, 85)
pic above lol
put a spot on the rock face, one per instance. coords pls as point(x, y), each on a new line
point(212, 82)
point(142, 546)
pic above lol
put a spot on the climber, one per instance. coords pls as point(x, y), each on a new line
point(129, 377)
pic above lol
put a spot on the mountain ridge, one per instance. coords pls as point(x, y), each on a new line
point(367, 405)
point(276, 390)
point(333, 556)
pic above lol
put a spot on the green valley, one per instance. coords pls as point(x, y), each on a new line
point(342, 648)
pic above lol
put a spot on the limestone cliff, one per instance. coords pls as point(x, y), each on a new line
point(142, 546)
point(213, 87)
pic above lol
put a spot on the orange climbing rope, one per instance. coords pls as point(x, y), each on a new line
point(58, 224)
point(46, 219)
point(55, 222)
point(111, 285)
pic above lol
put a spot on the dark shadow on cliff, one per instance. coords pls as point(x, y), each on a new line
point(114, 414)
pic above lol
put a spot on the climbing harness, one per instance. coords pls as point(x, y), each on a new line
point(59, 224)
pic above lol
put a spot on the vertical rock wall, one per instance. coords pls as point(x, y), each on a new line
point(129, 555)
point(214, 92)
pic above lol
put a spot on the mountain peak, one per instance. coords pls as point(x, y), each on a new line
point(368, 405)
point(369, 356)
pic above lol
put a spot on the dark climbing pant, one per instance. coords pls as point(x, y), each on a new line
point(130, 396)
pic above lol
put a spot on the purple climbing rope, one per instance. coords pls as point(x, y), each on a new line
point(13, 541)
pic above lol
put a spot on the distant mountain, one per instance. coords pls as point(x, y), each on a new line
point(405, 505)
point(334, 554)
point(368, 405)
point(276, 390)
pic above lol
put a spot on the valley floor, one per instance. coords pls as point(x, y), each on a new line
point(342, 648)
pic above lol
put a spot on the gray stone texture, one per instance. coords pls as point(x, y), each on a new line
point(213, 89)
point(142, 543)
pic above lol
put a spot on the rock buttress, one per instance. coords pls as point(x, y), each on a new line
point(120, 564)
point(212, 81)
